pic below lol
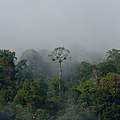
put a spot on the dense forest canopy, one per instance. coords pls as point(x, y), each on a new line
point(29, 88)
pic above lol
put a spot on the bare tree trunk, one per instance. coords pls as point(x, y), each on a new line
point(60, 77)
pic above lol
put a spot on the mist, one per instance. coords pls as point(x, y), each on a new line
point(89, 25)
point(39, 82)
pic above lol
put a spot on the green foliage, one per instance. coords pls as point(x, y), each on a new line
point(7, 112)
point(106, 67)
point(31, 95)
point(86, 90)
point(54, 101)
point(53, 89)
point(7, 75)
point(27, 93)
point(75, 113)
point(41, 114)
point(22, 113)
point(101, 100)
point(113, 56)
point(84, 72)
point(14, 112)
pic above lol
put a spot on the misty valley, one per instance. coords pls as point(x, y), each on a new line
point(52, 85)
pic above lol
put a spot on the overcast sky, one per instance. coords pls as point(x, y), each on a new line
point(42, 24)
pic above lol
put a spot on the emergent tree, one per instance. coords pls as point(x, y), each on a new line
point(60, 54)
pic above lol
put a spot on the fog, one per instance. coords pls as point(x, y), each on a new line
point(35, 87)
point(90, 25)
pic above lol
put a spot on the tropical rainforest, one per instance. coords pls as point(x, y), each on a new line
point(29, 87)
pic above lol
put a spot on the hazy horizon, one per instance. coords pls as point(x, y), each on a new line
point(44, 24)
